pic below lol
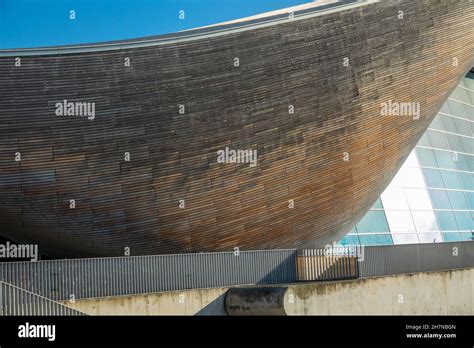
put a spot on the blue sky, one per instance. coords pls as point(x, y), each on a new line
point(35, 23)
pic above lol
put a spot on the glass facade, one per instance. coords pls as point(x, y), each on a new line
point(431, 199)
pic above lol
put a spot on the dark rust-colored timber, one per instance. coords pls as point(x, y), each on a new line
point(418, 58)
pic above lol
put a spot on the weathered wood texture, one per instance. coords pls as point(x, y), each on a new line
point(135, 204)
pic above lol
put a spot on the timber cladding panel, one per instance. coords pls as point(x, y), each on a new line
point(178, 104)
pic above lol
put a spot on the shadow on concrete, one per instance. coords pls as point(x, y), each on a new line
point(216, 307)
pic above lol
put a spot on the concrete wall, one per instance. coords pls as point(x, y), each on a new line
point(442, 292)
point(446, 292)
point(191, 302)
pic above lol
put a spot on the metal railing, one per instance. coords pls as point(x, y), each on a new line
point(114, 276)
point(413, 258)
point(17, 301)
point(335, 263)
point(61, 280)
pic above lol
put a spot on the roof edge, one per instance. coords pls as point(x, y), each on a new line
point(189, 35)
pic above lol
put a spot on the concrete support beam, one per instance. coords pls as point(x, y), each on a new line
point(427, 293)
